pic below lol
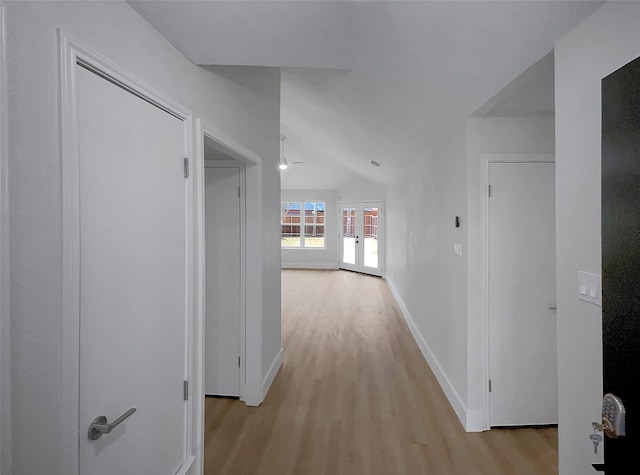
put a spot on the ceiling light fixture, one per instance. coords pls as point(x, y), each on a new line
point(284, 163)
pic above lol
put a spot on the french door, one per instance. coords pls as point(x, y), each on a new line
point(361, 236)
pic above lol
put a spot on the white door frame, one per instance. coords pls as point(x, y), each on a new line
point(5, 355)
point(381, 245)
point(72, 54)
point(488, 159)
point(243, 274)
point(251, 389)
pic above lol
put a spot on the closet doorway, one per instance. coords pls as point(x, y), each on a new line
point(224, 312)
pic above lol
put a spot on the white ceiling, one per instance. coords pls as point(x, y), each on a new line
point(403, 74)
point(255, 32)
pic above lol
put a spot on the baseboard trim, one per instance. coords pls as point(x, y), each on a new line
point(452, 395)
point(271, 374)
point(188, 467)
point(302, 265)
point(475, 421)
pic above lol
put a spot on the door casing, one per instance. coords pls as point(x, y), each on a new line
point(72, 51)
point(251, 391)
point(73, 54)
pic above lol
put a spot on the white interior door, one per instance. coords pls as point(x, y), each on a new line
point(361, 236)
point(133, 281)
point(223, 260)
point(522, 294)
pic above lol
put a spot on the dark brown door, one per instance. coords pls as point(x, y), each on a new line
point(621, 258)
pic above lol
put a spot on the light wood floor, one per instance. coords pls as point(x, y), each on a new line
point(355, 396)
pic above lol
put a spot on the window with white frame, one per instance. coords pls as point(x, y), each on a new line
point(302, 224)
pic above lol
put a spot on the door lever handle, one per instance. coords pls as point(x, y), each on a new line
point(100, 425)
point(553, 308)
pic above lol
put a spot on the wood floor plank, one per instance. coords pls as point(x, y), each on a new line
point(356, 397)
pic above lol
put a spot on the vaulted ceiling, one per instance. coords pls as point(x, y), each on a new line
point(372, 80)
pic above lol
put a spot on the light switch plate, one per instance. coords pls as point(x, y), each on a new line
point(590, 287)
point(457, 248)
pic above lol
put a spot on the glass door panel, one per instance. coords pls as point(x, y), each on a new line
point(370, 235)
point(349, 236)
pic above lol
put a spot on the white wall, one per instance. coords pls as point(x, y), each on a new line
point(362, 189)
point(271, 307)
point(603, 43)
point(264, 83)
point(315, 258)
point(426, 276)
point(495, 135)
point(5, 353)
point(244, 104)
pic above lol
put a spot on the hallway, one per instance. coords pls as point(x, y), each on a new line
point(355, 396)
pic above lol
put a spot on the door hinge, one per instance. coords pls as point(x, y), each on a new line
point(238, 361)
point(489, 385)
point(185, 390)
point(186, 167)
point(489, 190)
point(238, 192)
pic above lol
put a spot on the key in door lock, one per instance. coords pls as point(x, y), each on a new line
point(100, 425)
point(596, 439)
point(613, 417)
point(613, 421)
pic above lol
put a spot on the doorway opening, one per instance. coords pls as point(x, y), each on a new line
point(228, 290)
point(232, 177)
point(225, 238)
